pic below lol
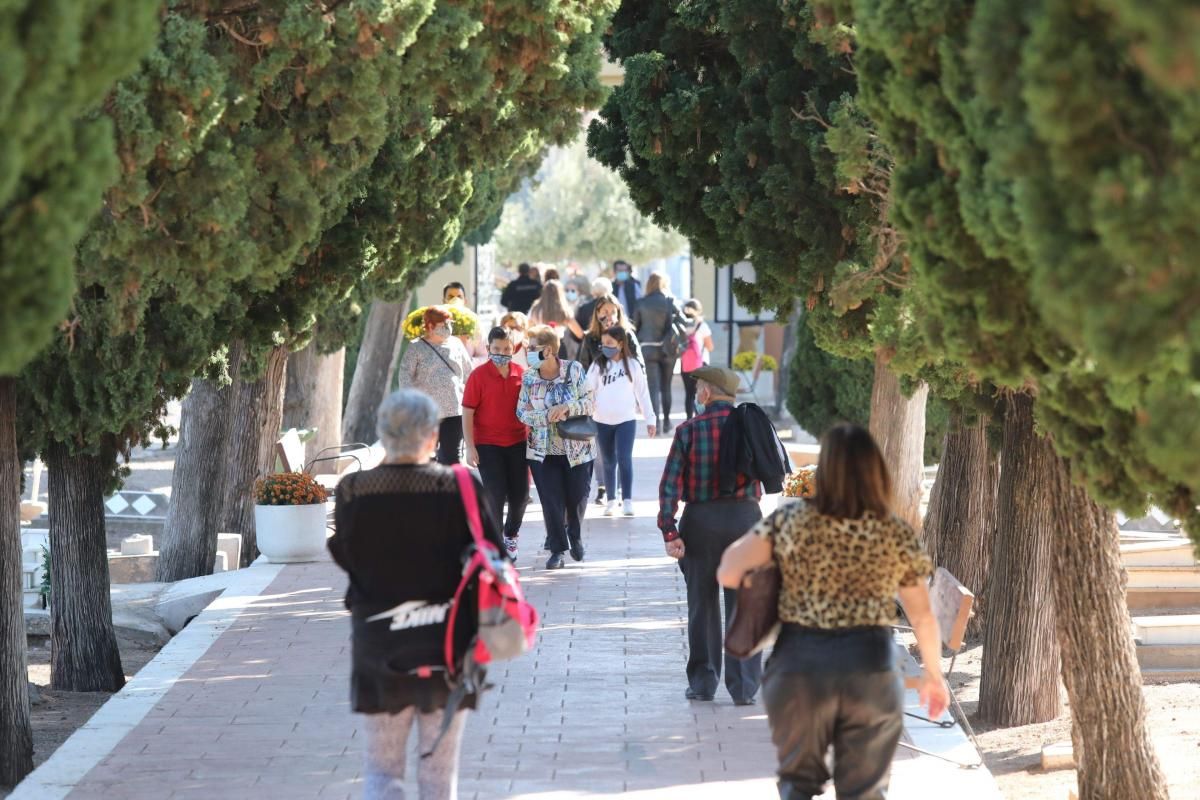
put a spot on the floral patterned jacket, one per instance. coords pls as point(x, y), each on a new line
point(538, 395)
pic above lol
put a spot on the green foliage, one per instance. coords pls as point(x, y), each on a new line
point(57, 63)
point(1046, 185)
point(575, 209)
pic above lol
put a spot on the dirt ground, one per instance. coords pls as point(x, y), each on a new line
point(56, 715)
point(1014, 754)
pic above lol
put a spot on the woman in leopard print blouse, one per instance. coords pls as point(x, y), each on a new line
point(843, 558)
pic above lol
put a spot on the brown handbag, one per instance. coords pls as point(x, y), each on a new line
point(755, 621)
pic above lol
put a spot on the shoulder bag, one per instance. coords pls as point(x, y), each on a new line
point(755, 621)
point(580, 428)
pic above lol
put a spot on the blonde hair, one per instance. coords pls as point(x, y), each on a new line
point(552, 305)
point(515, 318)
point(543, 336)
point(658, 282)
point(607, 300)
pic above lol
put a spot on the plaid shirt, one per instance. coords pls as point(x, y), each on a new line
point(692, 473)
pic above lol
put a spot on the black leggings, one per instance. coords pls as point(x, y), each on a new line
point(505, 475)
point(689, 394)
point(450, 438)
point(659, 370)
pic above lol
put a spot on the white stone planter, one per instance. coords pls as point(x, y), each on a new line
point(290, 534)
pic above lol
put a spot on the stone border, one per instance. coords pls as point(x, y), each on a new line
point(91, 743)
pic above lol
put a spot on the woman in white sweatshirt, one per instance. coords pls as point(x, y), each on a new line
point(618, 383)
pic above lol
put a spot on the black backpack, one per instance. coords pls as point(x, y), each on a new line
point(675, 338)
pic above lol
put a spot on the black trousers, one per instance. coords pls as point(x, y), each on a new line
point(834, 688)
point(707, 529)
point(659, 371)
point(505, 477)
point(689, 394)
point(563, 492)
point(450, 438)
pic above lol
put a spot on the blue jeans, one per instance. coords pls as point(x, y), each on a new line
point(616, 447)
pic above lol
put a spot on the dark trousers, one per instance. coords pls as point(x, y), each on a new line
point(659, 370)
point(689, 394)
point(505, 477)
point(707, 529)
point(450, 438)
point(616, 445)
point(834, 688)
point(563, 491)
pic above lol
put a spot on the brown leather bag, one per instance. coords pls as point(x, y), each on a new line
point(755, 621)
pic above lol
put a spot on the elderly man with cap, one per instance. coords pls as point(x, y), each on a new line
point(711, 522)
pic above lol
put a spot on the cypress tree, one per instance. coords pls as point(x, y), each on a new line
point(57, 62)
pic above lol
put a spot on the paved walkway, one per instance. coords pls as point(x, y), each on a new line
point(597, 709)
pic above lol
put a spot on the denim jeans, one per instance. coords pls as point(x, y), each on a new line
point(616, 445)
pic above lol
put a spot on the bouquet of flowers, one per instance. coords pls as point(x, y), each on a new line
point(289, 489)
point(801, 483)
point(465, 323)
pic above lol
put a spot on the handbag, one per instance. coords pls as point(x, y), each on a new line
point(755, 621)
point(581, 428)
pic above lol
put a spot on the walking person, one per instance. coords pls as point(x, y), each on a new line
point(516, 324)
point(398, 661)
point(601, 287)
point(438, 364)
point(551, 391)
point(843, 557)
point(696, 352)
point(495, 438)
point(618, 384)
point(552, 309)
point(710, 523)
point(626, 288)
point(522, 291)
point(654, 321)
point(455, 294)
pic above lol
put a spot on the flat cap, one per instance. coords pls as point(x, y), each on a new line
point(724, 379)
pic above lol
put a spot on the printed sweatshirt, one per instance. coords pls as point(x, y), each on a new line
point(619, 399)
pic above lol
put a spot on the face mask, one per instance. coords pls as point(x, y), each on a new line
point(607, 322)
point(442, 330)
point(500, 360)
point(572, 296)
point(535, 359)
point(622, 275)
point(699, 407)
point(457, 301)
point(610, 352)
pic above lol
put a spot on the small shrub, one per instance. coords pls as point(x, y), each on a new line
point(746, 361)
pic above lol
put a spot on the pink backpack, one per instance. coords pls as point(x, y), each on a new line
point(693, 354)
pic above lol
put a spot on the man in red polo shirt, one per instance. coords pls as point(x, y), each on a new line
point(495, 438)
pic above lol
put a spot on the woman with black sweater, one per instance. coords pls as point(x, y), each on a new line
point(401, 533)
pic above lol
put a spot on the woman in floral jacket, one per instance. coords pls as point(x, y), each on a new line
point(552, 391)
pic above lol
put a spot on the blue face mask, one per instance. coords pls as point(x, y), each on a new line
point(500, 360)
point(622, 275)
point(535, 359)
point(699, 407)
point(572, 295)
point(610, 352)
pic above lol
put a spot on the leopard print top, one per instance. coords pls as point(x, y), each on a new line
point(841, 573)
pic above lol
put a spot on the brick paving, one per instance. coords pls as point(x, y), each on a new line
point(597, 709)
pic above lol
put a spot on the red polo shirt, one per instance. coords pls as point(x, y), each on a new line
point(494, 400)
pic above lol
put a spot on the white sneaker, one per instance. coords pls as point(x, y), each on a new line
point(610, 508)
point(510, 547)
point(629, 508)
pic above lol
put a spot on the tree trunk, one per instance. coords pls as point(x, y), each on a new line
point(189, 541)
point(898, 425)
point(255, 415)
point(16, 736)
point(962, 508)
point(83, 644)
point(313, 399)
point(1019, 681)
point(1112, 746)
point(379, 350)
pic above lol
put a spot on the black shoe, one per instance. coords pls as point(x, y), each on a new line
point(599, 496)
point(692, 694)
point(577, 550)
point(667, 426)
point(745, 701)
point(546, 544)
point(555, 561)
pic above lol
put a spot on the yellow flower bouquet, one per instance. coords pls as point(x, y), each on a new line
point(464, 322)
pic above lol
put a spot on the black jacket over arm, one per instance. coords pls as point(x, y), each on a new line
point(750, 446)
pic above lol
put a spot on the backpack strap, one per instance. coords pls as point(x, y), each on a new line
point(466, 490)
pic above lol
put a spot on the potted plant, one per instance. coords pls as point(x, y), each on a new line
point(758, 373)
point(289, 517)
point(800, 484)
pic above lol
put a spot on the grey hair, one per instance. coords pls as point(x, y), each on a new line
point(406, 420)
point(601, 286)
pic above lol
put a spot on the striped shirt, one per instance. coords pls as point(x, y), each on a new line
point(693, 472)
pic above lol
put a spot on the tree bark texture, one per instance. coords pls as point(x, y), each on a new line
point(313, 399)
point(83, 644)
point(16, 735)
point(1113, 751)
point(962, 508)
point(255, 417)
point(189, 541)
point(1019, 681)
point(379, 350)
point(898, 425)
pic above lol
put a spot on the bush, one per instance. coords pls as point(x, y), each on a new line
point(747, 360)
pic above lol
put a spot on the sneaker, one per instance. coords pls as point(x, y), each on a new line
point(600, 496)
point(610, 508)
point(510, 547)
point(628, 508)
point(556, 561)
